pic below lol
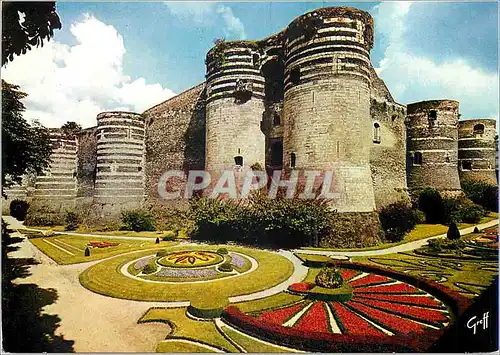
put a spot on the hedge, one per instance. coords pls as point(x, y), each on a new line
point(207, 308)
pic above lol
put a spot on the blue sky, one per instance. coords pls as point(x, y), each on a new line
point(135, 55)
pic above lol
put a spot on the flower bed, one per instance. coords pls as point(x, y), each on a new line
point(423, 300)
point(281, 315)
point(351, 323)
point(370, 280)
point(399, 288)
point(139, 264)
point(187, 273)
point(315, 320)
point(301, 287)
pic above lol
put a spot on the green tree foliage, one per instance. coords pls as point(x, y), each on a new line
point(71, 128)
point(397, 219)
point(26, 25)
point(25, 149)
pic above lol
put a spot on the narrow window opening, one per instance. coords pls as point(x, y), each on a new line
point(293, 158)
point(376, 133)
point(479, 129)
point(256, 59)
point(417, 158)
point(139, 168)
point(295, 75)
point(277, 153)
point(238, 160)
point(276, 119)
point(466, 165)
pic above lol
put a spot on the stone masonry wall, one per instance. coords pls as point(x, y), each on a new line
point(175, 140)
point(477, 150)
point(87, 162)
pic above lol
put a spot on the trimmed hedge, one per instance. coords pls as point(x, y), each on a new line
point(208, 308)
point(314, 261)
point(226, 267)
point(482, 193)
point(397, 219)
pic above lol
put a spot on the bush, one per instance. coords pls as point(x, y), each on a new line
point(397, 219)
point(481, 193)
point(222, 251)
point(225, 267)
point(137, 221)
point(157, 241)
point(472, 213)
point(149, 269)
point(329, 277)
point(87, 251)
point(19, 209)
point(431, 203)
point(161, 253)
point(71, 220)
point(453, 232)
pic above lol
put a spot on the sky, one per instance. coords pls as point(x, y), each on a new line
point(131, 56)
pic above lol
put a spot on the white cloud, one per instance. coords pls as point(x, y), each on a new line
point(416, 78)
point(75, 83)
point(209, 14)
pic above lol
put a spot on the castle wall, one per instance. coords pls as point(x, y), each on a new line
point(327, 101)
point(87, 162)
point(433, 145)
point(175, 140)
point(235, 103)
point(477, 150)
point(120, 160)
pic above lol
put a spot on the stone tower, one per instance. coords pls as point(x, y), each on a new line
point(476, 150)
point(59, 181)
point(327, 123)
point(120, 159)
point(234, 107)
point(432, 145)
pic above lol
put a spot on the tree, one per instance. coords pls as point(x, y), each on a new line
point(71, 128)
point(25, 149)
point(26, 24)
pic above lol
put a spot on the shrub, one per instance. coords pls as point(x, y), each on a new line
point(222, 251)
point(157, 241)
point(19, 209)
point(87, 251)
point(161, 253)
point(329, 277)
point(431, 203)
point(472, 213)
point(226, 267)
point(453, 232)
point(208, 307)
point(476, 230)
point(137, 221)
point(482, 193)
point(397, 219)
point(71, 219)
point(149, 268)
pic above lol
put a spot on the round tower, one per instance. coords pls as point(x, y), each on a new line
point(477, 150)
point(432, 145)
point(235, 103)
point(120, 158)
point(59, 180)
point(327, 123)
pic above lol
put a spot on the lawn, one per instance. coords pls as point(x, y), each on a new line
point(204, 331)
point(421, 231)
point(68, 249)
point(117, 233)
point(105, 278)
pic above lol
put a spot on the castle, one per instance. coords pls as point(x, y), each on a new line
point(305, 98)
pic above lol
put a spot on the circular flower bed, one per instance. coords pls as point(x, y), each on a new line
point(190, 259)
point(382, 308)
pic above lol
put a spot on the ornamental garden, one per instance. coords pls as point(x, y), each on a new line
point(236, 297)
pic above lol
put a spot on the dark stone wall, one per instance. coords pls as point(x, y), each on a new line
point(87, 162)
point(175, 140)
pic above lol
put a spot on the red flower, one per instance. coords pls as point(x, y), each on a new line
point(422, 300)
point(396, 288)
point(369, 280)
point(279, 316)
point(389, 321)
point(315, 319)
point(301, 286)
point(421, 314)
point(348, 274)
point(352, 323)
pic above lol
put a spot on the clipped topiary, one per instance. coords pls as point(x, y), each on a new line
point(225, 267)
point(149, 269)
point(329, 277)
point(453, 232)
point(476, 230)
point(222, 251)
point(157, 240)
point(87, 251)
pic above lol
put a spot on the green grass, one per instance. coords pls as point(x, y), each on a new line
point(250, 344)
point(204, 331)
point(105, 278)
point(421, 231)
point(176, 346)
point(278, 300)
point(118, 233)
point(76, 245)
